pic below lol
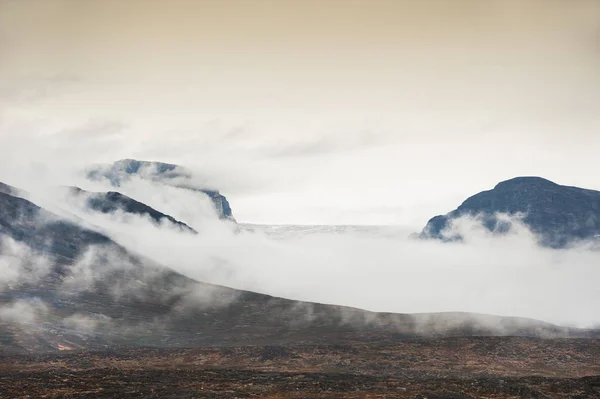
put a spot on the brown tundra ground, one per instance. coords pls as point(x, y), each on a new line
point(448, 368)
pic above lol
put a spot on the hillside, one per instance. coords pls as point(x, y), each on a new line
point(113, 201)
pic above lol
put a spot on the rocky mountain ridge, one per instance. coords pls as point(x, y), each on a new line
point(113, 201)
point(165, 173)
point(559, 215)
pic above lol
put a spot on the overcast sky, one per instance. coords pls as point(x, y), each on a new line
point(352, 112)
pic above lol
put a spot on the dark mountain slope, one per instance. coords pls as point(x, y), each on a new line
point(169, 174)
point(113, 201)
point(6, 189)
point(43, 231)
point(560, 215)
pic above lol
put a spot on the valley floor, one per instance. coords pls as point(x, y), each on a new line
point(459, 368)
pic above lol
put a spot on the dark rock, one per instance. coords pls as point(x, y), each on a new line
point(559, 215)
point(43, 231)
point(6, 189)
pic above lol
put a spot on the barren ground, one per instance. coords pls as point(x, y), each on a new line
point(471, 367)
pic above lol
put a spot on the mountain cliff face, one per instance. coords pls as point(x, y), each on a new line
point(169, 174)
point(559, 215)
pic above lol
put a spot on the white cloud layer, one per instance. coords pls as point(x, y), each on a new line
point(379, 269)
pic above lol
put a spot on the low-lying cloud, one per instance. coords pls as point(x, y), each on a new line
point(18, 264)
point(25, 312)
point(379, 269)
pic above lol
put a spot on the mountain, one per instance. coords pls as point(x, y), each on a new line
point(112, 201)
point(559, 215)
point(76, 288)
point(169, 174)
point(6, 189)
point(42, 231)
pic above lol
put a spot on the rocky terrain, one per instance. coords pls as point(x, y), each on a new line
point(560, 215)
point(458, 368)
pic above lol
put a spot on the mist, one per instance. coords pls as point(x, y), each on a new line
point(377, 268)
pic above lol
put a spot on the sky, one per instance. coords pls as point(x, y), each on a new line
point(329, 112)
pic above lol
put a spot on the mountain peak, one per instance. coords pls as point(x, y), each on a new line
point(165, 173)
point(133, 166)
point(525, 181)
point(559, 215)
point(112, 201)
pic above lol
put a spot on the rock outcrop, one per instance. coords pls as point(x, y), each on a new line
point(112, 201)
point(44, 232)
point(559, 215)
point(165, 173)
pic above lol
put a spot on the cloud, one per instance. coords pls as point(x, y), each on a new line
point(25, 312)
point(379, 269)
point(191, 207)
point(86, 324)
point(33, 88)
point(94, 129)
point(327, 143)
point(18, 264)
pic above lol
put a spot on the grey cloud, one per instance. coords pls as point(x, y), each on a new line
point(382, 270)
point(18, 264)
point(506, 275)
point(327, 143)
point(88, 324)
point(33, 88)
point(98, 129)
point(24, 311)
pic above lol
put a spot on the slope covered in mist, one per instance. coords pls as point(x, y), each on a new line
point(112, 201)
